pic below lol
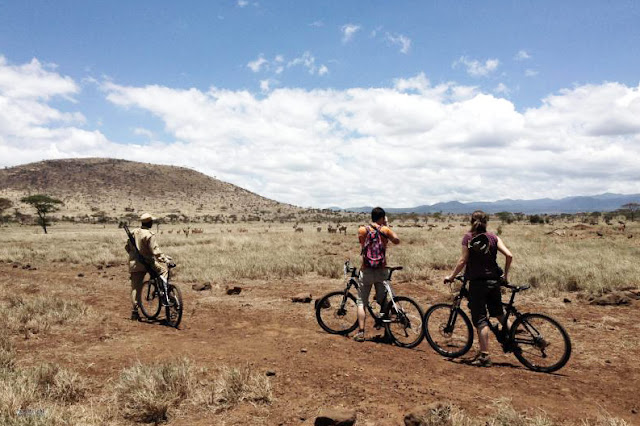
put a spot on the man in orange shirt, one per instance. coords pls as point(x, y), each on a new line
point(373, 241)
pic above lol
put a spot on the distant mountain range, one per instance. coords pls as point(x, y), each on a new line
point(594, 203)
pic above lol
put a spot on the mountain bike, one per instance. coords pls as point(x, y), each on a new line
point(538, 341)
point(400, 316)
point(156, 294)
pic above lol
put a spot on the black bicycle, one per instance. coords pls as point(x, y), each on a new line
point(538, 341)
point(400, 316)
point(157, 293)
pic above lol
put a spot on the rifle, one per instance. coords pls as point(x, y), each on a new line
point(139, 257)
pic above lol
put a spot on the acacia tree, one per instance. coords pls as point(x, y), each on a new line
point(5, 203)
point(43, 205)
point(632, 207)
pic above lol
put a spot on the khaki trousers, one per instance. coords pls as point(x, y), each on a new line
point(137, 280)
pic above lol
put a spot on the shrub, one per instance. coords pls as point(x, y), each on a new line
point(235, 385)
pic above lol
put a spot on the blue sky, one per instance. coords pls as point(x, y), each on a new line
point(465, 100)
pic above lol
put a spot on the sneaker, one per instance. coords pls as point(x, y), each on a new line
point(135, 316)
point(482, 359)
point(359, 336)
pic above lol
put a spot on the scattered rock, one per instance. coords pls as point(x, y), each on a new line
point(567, 300)
point(634, 411)
point(325, 304)
point(15, 265)
point(201, 286)
point(99, 267)
point(80, 275)
point(303, 350)
point(336, 417)
point(302, 298)
point(234, 290)
point(270, 373)
point(27, 266)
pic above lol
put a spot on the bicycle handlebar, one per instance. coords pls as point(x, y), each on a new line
point(500, 281)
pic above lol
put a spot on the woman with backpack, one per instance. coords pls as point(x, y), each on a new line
point(479, 260)
point(373, 242)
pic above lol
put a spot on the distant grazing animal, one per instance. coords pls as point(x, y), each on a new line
point(197, 231)
point(170, 231)
point(331, 230)
point(342, 229)
point(622, 226)
point(299, 230)
point(186, 231)
point(319, 228)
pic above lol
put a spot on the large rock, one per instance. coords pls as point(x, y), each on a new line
point(302, 298)
point(336, 417)
point(201, 286)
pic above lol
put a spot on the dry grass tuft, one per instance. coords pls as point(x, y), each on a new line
point(7, 352)
point(235, 385)
point(38, 314)
point(146, 393)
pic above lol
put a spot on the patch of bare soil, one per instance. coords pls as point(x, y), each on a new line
point(314, 370)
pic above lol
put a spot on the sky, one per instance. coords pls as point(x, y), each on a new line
point(334, 103)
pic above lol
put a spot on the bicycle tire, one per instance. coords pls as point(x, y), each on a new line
point(149, 300)
point(173, 312)
point(333, 316)
point(532, 335)
point(405, 329)
point(450, 343)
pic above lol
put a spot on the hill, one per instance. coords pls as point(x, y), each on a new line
point(96, 188)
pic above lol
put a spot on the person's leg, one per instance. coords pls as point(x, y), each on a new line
point(363, 298)
point(478, 306)
point(137, 280)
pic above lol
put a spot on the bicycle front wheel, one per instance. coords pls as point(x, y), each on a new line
point(448, 330)
point(149, 299)
point(174, 308)
point(540, 343)
point(337, 313)
point(404, 322)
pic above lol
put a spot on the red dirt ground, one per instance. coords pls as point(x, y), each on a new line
point(262, 327)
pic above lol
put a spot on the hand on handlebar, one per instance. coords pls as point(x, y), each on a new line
point(448, 280)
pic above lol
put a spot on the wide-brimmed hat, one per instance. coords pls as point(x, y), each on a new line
point(146, 217)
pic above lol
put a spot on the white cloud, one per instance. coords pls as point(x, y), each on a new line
point(242, 3)
point(348, 31)
point(530, 73)
point(317, 24)
point(502, 89)
point(257, 65)
point(323, 70)
point(400, 40)
point(436, 142)
point(143, 132)
point(476, 68)
point(522, 55)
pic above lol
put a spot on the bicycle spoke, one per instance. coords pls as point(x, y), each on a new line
point(544, 345)
point(405, 322)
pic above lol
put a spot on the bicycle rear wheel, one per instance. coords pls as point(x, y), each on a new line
point(405, 322)
point(337, 313)
point(149, 299)
point(174, 309)
point(448, 330)
point(541, 343)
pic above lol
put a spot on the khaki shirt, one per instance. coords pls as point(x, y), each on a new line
point(148, 247)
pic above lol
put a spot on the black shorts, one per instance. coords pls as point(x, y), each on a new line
point(483, 296)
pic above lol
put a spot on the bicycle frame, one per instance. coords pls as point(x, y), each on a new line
point(354, 281)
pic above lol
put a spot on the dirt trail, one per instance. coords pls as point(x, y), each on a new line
point(381, 382)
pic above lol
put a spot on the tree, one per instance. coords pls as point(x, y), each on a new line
point(505, 217)
point(632, 207)
point(4, 205)
point(43, 205)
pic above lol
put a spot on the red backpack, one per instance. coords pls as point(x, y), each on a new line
point(373, 250)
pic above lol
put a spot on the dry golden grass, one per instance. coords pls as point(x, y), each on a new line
point(578, 261)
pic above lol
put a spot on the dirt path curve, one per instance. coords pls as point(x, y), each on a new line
point(314, 370)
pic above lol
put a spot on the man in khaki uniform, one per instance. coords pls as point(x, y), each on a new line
point(148, 247)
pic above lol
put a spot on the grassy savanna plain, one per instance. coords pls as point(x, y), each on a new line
point(68, 355)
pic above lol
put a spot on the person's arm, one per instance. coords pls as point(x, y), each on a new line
point(508, 258)
point(155, 250)
point(462, 262)
point(391, 236)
